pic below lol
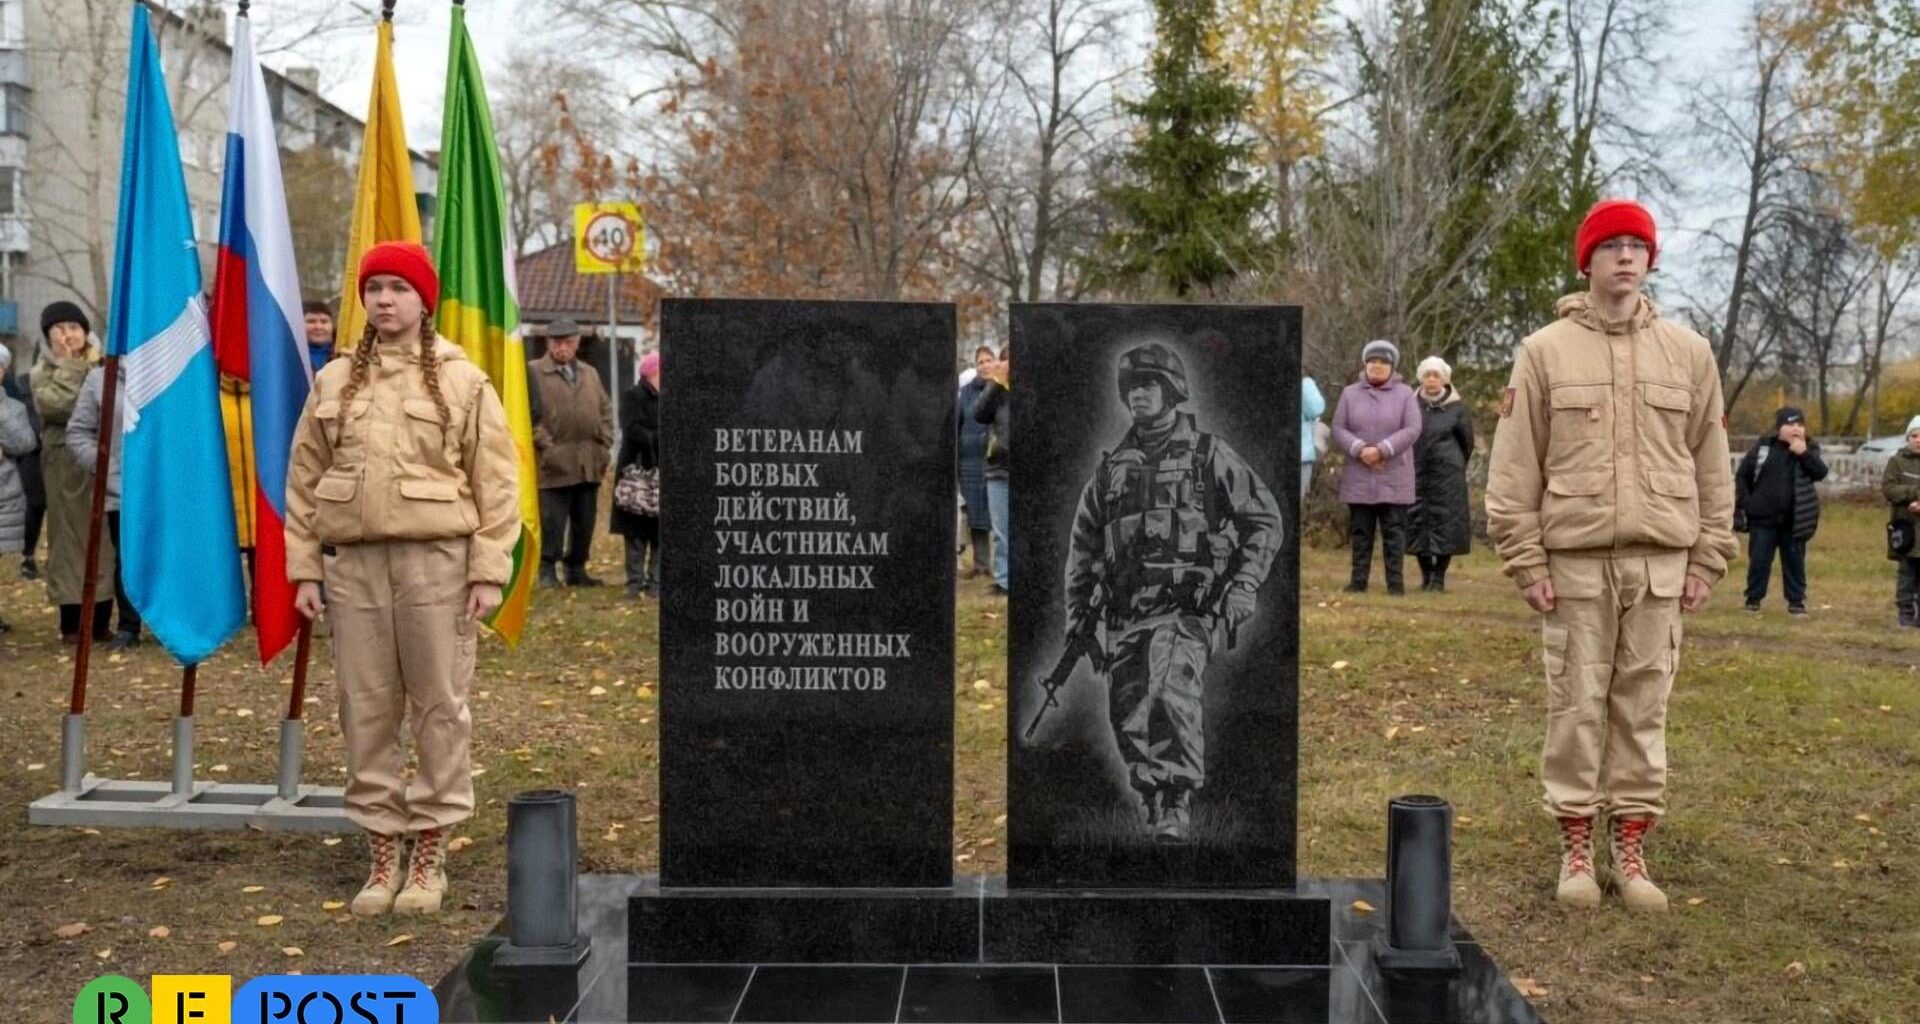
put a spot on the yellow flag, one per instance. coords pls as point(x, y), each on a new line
point(383, 204)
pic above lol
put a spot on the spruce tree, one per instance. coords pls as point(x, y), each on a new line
point(1187, 209)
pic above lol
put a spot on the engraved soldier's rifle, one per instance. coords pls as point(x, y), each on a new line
point(1082, 642)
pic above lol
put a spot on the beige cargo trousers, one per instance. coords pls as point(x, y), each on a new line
point(1612, 646)
point(403, 651)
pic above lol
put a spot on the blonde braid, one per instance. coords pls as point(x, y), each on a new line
point(363, 359)
point(430, 369)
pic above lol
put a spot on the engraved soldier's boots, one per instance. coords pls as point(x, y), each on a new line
point(1628, 873)
point(1578, 887)
point(1150, 811)
point(384, 880)
point(1175, 823)
point(426, 875)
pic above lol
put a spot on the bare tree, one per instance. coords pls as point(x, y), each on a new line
point(1893, 280)
point(1404, 212)
point(1753, 126)
point(1609, 61)
point(546, 99)
point(1050, 119)
point(1808, 276)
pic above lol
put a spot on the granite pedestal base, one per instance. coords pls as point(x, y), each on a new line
point(978, 920)
point(616, 984)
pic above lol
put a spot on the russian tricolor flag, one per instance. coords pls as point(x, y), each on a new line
point(258, 332)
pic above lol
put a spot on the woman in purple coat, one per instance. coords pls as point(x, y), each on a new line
point(1376, 425)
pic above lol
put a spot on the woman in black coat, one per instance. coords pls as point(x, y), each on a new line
point(1440, 525)
point(640, 446)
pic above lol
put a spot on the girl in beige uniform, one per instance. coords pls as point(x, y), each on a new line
point(403, 500)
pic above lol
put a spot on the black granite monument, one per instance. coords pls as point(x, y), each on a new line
point(806, 635)
point(1155, 629)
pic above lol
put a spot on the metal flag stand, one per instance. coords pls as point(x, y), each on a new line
point(181, 802)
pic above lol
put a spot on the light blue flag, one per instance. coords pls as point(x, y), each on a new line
point(179, 553)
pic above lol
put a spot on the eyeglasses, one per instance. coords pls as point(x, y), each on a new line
point(1618, 246)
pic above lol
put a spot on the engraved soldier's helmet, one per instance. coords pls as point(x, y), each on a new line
point(1158, 361)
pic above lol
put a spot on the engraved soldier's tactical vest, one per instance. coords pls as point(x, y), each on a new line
point(1161, 552)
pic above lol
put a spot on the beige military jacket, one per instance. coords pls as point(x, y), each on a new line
point(383, 467)
point(1611, 442)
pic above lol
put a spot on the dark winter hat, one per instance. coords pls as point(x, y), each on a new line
point(408, 261)
point(1611, 218)
point(563, 329)
point(63, 312)
point(1788, 415)
point(316, 307)
point(1380, 349)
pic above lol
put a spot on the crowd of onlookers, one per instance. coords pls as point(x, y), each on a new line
point(1406, 448)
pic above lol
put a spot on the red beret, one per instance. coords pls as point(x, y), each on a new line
point(1611, 218)
point(408, 261)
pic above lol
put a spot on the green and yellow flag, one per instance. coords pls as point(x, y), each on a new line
point(384, 208)
point(478, 308)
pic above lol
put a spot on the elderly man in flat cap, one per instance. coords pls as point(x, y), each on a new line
point(573, 433)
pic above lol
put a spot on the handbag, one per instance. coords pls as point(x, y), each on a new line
point(638, 491)
point(1900, 538)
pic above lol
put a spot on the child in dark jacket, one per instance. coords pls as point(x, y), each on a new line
point(1776, 503)
point(1900, 483)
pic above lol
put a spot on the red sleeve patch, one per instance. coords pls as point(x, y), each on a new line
point(1506, 404)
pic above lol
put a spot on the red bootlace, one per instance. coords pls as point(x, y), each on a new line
point(382, 859)
point(1577, 835)
point(424, 854)
point(1631, 853)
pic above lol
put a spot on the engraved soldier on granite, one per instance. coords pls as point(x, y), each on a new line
point(1172, 539)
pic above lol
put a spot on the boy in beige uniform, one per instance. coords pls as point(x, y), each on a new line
point(403, 499)
point(1610, 501)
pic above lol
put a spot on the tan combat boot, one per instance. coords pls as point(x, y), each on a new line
point(383, 881)
point(1628, 875)
point(1578, 887)
point(426, 875)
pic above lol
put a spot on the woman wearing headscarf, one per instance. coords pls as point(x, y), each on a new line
point(1441, 524)
point(640, 446)
point(1376, 425)
point(69, 353)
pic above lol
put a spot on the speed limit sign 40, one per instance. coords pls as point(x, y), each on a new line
point(608, 238)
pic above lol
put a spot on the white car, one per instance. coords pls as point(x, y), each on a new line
point(1876, 452)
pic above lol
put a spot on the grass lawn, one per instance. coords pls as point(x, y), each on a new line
point(1789, 854)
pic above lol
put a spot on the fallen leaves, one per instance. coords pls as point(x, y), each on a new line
point(598, 691)
point(330, 841)
point(331, 905)
point(1362, 907)
point(253, 888)
point(1694, 901)
point(399, 940)
point(159, 932)
point(1392, 731)
point(227, 947)
point(459, 843)
point(1529, 988)
point(160, 883)
point(292, 951)
point(1340, 666)
point(268, 920)
point(72, 931)
point(1796, 971)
